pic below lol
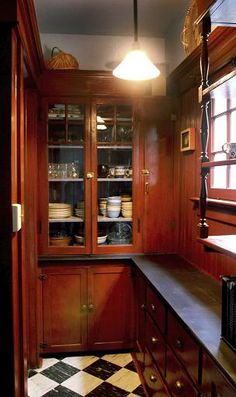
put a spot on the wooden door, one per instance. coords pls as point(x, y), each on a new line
point(64, 301)
point(12, 275)
point(110, 305)
point(157, 178)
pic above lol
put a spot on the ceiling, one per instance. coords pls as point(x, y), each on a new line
point(108, 17)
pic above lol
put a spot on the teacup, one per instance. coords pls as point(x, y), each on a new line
point(230, 149)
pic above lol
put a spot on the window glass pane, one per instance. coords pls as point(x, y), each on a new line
point(233, 103)
point(219, 133)
point(218, 177)
point(232, 177)
point(233, 127)
point(219, 105)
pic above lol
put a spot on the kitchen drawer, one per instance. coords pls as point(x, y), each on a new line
point(155, 344)
point(214, 383)
point(179, 384)
point(153, 380)
point(185, 347)
point(156, 309)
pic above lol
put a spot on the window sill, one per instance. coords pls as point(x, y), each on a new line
point(224, 244)
point(224, 204)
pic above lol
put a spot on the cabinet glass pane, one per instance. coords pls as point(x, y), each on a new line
point(66, 175)
point(114, 173)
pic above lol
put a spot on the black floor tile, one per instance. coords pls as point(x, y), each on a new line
point(31, 372)
point(61, 391)
point(102, 369)
point(60, 372)
point(139, 391)
point(131, 366)
point(107, 390)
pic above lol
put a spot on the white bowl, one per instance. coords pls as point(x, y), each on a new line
point(113, 214)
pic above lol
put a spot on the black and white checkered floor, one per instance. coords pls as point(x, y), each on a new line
point(109, 375)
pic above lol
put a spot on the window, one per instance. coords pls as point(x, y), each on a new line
point(223, 129)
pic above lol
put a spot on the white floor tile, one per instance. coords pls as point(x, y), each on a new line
point(82, 383)
point(38, 385)
point(119, 359)
point(47, 362)
point(125, 379)
point(80, 362)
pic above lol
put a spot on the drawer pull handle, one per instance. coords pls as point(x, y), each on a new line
point(154, 340)
point(143, 306)
point(153, 378)
point(179, 343)
point(83, 308)
point(153, 307)
point(90, 307)
point(179, 385)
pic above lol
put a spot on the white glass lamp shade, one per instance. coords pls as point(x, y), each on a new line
point(136, 66)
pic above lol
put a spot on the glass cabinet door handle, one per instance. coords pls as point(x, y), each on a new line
point(90, 175)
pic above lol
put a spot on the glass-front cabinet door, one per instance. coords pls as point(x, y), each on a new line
point(116, 151)
point(67, 126)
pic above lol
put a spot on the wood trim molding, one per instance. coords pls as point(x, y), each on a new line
point(21, 15)
point(29, 34)
point(187, 74)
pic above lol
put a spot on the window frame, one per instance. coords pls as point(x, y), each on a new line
point(219, 193)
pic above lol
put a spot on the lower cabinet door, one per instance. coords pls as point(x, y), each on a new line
point(214, 383)
point(179, 384)
point(64, 300)
point(110, 307)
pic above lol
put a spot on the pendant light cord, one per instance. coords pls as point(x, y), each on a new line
point(135, 21)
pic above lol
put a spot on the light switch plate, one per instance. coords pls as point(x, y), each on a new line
point(16, 217)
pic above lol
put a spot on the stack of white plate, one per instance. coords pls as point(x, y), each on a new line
point(79, 210)
point(59, 210)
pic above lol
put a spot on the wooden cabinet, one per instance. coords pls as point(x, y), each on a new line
point(87, 307)
point(214, 382)
point(89, 162)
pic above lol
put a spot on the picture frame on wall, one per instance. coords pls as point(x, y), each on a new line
point(187, 140)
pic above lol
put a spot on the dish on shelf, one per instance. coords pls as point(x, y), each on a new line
point(60, 241)
point(100, 239)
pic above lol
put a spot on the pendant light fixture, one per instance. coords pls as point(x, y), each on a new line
point(136, 65)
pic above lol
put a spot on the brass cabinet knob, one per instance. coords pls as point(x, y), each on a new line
point(179, 343)
point(179, 385)
point(154, 340)
point(153, 307)
point(90, 307)
point(145, 172)
point(90, 175)
point(153, 378)
point(84, 308)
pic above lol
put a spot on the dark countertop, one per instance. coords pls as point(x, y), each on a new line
point(195, 298)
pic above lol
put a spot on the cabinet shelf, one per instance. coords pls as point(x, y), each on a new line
point(65, 146)
point(74, 219)
point(119, 219)
point(114, 179)
point(225, 244)
point(114, 146)
point(209, 164)
point(66, 180)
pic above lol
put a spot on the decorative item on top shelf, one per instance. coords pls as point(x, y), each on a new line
point(191, 34)
point(187, 140)
point(61, 60)
point(230, 149)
